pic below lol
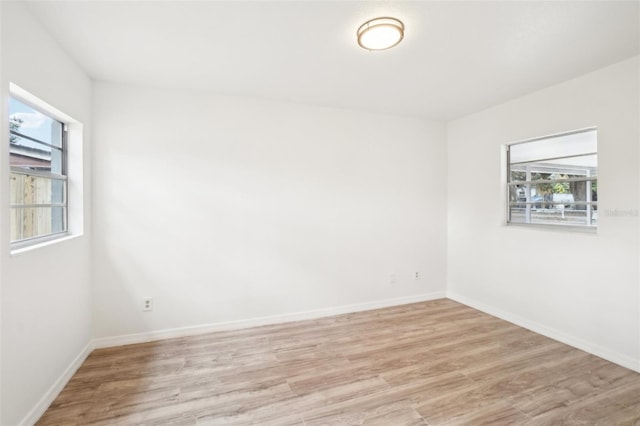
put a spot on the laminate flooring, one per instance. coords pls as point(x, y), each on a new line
point(431, 363)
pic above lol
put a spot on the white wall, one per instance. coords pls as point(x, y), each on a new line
point(45, 293)
point(579, 287)
point(225, 209)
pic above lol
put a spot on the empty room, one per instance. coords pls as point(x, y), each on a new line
point(319, 213)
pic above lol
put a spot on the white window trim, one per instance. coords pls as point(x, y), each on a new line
point(74, 173)
point(505, 161)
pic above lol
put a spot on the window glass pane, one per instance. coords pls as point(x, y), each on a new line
point(30, 122)
point(56, 161)
point(558, 146)
point(586, 165)
point(517, 175)
point(58, 191)
point(547, 164)
point(30, 222)
point(38, 185)
point(555, 214)
point(517, 193)
point(573, 195)
point(26, 189)
point(579, 165)
point(29, 155)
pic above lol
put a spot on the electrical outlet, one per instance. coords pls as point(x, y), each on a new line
point(392, 279)
point(147, 304)
point(417, 275)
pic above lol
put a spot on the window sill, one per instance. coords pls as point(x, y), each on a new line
point(25, 249)
point(558, 228)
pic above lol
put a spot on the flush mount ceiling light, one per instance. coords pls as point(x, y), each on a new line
point(380, 33)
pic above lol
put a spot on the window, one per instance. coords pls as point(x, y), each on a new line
point(554, 180)
point(38, 177)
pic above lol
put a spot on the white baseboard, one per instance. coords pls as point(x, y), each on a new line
point(38, 410)
point(597, 350)
point(172, 333)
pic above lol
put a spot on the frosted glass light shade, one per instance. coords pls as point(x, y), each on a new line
point(380, 33)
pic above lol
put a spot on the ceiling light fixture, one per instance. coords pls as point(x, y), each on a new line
point(380, 33)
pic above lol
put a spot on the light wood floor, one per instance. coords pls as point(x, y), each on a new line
point(427, 363)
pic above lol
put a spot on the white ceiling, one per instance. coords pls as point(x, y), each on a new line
point(456, 58)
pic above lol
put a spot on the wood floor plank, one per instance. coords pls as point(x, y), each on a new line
point(431, 363)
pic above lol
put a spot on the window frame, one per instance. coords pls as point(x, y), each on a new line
point(589, 226)
point(62, 176)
